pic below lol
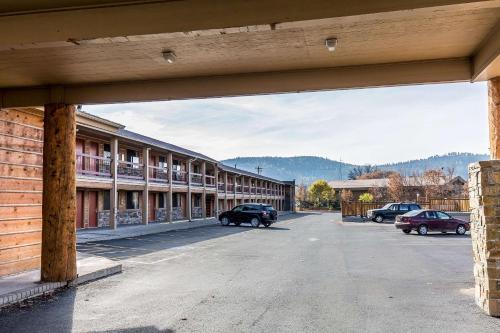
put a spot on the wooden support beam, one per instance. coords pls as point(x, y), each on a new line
point(59, 194)
point(170, 188)
point(494, 117)
point(145, 192)
point(114, 189)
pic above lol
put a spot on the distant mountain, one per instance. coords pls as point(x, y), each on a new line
point(306, 169)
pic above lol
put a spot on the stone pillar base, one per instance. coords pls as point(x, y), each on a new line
point(484, 193)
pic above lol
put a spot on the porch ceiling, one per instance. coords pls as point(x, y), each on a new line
point(429, 41)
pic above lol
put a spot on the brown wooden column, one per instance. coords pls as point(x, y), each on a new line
point(494, 117)
point(59, 194)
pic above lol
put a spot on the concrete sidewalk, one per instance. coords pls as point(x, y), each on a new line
point(95, 235)
point(18, 287)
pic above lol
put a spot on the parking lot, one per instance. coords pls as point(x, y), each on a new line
point(308, 273)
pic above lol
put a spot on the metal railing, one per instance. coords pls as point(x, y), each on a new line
point(196, 179)
point(210, 181)
point(130, 170)
point(179, 176)
point(158, 174)
point(93, 165)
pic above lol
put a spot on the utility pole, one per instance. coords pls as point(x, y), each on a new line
point(340, 169)
point(259, 169)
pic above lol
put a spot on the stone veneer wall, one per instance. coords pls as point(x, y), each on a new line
point(196, 213)
point(177, 213)
point(484, 193)
point(161, 214)
point(129, 216)
point(103, 218)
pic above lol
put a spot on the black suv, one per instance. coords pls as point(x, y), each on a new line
point(391, 210)
point(253, 213)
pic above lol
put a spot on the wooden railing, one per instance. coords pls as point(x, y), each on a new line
point(246, 189)
point(230, 187)
point(238, 188)
point(158, 174)
point(130, 170)
point(93, 165)
point(221, 187)
point(356, 208)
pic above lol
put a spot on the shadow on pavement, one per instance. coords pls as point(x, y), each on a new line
point(145, 329)
point(125, 248)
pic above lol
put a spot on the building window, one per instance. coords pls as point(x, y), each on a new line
point(162, 162)
point(197, 201)
point(175, 200)
point(161, 200)
point(132, 200)
point(106, 200)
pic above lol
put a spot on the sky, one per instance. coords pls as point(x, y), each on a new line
point(364, 126)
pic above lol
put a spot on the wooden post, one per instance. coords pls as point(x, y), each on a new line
point(189, 199)
point(225, 191)
point(216, 174)
point(170, 188)
point(59, 194)
point(113, 209)
point(204, 193)
point(145, 192)
point(494, 117)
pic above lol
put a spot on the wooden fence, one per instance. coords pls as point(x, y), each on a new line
point(356, 208)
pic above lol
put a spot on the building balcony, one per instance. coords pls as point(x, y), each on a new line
point(230, 187)
point(95, 166)
point(239, 188)
point(158, 174)
point(246, 189)
point(130, 170)
point(196, 179)
point(221, 187)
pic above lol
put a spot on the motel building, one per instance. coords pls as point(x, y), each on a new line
point(148, 181)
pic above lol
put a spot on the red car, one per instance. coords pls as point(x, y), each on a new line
point(424, 221)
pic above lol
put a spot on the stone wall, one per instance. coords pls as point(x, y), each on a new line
point(484, 193)
point(161, 214)
point(178, 213)
point(129, 216)
point(196, 213)
point(103, 218)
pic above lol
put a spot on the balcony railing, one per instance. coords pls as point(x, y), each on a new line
point(230, 187)
point(130, 170)
point(91, 165)
point(196, 179)
point(210, 181)
point(179, 176)
point(221, 187)
point(238, 188)
point(158, 174)
point(246, 189)
point(253, 190)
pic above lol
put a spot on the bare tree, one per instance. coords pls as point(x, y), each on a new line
point(346, 195)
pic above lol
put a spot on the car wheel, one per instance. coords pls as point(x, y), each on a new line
point(407, 231)
point(461, 229)
point(255, 222)
point(225, 221)
point(422, 230)
point(379, 219)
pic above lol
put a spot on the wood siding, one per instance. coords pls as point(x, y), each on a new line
point(21, 146)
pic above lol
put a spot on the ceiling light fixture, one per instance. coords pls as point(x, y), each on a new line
point(331, 44)
point(169, 56)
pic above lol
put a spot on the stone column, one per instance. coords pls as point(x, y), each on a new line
point(145, 192)
point(58, 257)
point(113, 197)
point(484, 194)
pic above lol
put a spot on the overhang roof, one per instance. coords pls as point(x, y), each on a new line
point(86, 51)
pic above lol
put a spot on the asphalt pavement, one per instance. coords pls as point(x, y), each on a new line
point(307, 273)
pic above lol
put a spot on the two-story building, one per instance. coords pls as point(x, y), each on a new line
point(127, 178)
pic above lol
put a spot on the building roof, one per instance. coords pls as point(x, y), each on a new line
point(161, 144)
point(359, 183)
point(384, 182)
point(247, 173)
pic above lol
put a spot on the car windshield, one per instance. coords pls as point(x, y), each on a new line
point(387, 206)
point(413, 213)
